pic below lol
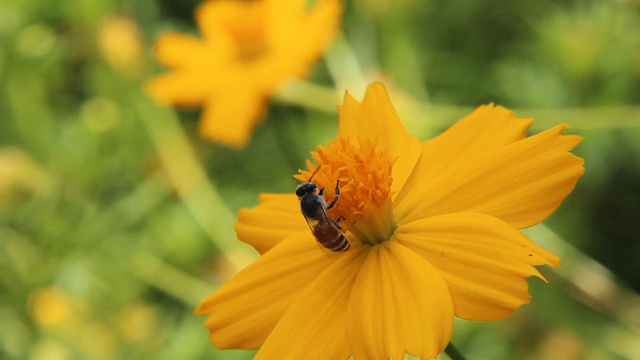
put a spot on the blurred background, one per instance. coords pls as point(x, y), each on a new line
point(104, 254)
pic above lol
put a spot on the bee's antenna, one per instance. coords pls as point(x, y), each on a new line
point(314, 173)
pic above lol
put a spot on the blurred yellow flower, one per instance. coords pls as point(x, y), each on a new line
point(248, 49)
point(50, 306)
point(20, 174)
point(433, 233)
point(120, 42)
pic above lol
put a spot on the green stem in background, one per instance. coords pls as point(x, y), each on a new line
point(417, 115)
point(308, 95)
point(147, 267)
point(344, 68)
point(345, 72)
point(453, 353)
point(170, 279)
point(599, 288)
point(190, 181)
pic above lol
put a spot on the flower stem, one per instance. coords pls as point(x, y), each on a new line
point(453, 353)
point(309, 95)
point(344, 68)
point(189, 179)
point(413, 112)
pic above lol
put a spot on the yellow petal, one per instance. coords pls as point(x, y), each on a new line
point(175, 88)
point(230, 119)
point(274, 218)
point(521, 183)
point(321, 26)
point(486, 128)
point(192, 59)
point(176, 49)
point(211, 16)
point(244, 310)
point(399, 304)
point(283, 16)
point(315, 325)
point(316, 27)
point(375, 119)
point(484, 261)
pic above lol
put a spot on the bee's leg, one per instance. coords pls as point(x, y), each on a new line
point(321, 191)
point(335, 197)
point(336, 224)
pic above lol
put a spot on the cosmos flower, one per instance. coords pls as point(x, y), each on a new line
point(433, 233)
point(248, 49)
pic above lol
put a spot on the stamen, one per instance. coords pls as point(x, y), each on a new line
point(364, 207)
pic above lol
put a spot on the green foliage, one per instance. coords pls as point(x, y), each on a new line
point(103, 255)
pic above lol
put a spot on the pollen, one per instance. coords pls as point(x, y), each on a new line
point(363, 174)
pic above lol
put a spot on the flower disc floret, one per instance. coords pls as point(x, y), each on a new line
point(364, 176)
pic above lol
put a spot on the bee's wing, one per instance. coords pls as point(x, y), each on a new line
point(310, 222)
point(324, 215)
point(313, 224)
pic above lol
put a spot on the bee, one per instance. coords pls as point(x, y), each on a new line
point(313, 207)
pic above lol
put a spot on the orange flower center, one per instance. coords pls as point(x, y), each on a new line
point(247, 28)
point(363, 174)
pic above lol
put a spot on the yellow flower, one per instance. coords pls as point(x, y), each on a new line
point(248, 49)
point(433, 232)
point(120, 42)
point(50, 306)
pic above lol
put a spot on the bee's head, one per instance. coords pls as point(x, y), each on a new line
point(306, 189)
